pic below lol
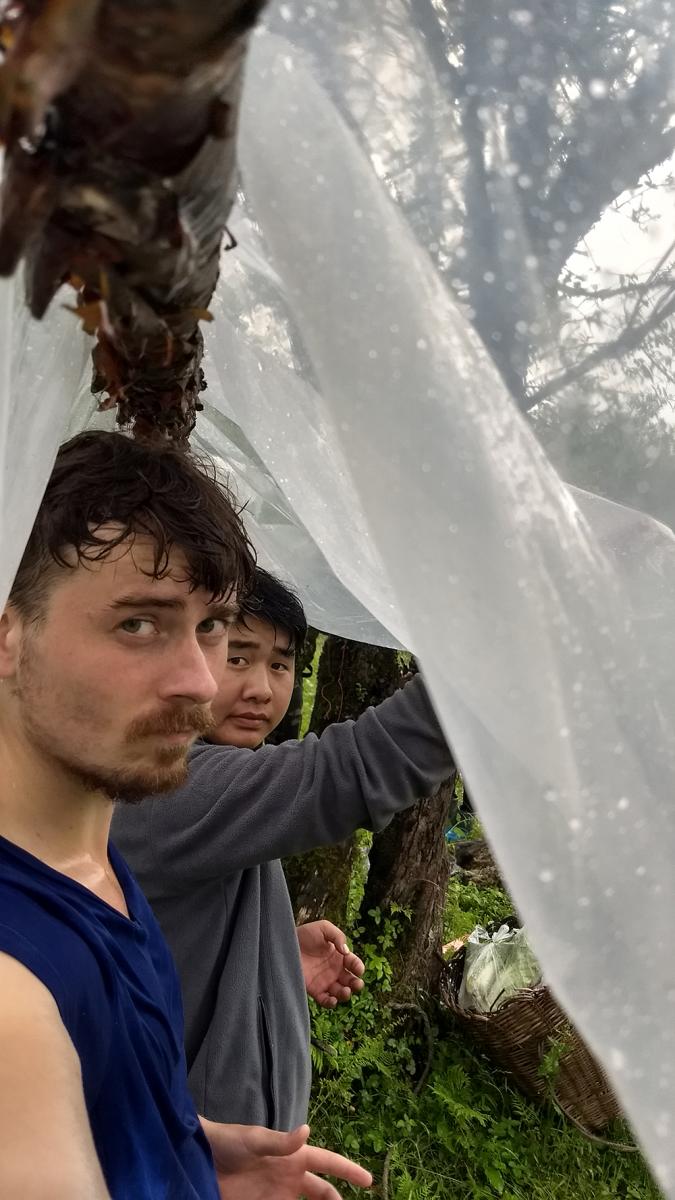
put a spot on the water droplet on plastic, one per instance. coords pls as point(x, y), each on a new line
point(522, 17)
point(597, 88)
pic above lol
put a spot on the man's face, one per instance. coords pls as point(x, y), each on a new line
point(115, 681)
point(255, 690)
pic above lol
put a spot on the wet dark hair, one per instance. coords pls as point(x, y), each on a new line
point(271, 600)
point(144, 488)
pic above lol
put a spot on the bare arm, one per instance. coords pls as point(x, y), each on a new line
point(47, 1148)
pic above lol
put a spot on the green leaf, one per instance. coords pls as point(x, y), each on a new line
point(495, 1178)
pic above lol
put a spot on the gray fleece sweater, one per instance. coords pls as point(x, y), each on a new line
point(207, 857)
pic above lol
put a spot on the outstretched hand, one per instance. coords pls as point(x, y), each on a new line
point(253, 1163)
point(332, 973)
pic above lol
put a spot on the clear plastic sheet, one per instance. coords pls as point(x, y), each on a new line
point(44, 389)
point(392, 477)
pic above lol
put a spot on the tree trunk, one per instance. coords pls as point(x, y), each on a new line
point(409, 867)
point(351, 676)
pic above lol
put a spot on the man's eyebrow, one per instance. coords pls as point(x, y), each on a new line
point(225, 610)
point(147, 600)
point(239, 643)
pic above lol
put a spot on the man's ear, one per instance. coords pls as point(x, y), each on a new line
point(11, 633)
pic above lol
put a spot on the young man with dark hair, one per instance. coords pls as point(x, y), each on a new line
point(115, 627)
point(263, 650)
point(208, 856)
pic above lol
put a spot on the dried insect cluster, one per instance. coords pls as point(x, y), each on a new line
point(118, 119)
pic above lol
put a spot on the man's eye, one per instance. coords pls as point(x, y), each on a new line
point(236, 661)
point(213, 625)
point(279, 667)
point(138, 626)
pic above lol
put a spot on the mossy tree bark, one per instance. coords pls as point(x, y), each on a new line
point(409, 866)
point(351, 676)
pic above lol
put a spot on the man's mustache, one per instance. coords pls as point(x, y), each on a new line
point(181, 720)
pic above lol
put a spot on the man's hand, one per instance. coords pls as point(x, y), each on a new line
point(332, 973)
point(257, 1164)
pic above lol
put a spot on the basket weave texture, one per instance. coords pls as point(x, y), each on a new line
point(518, 1036)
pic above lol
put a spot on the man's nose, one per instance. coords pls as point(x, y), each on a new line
point(188, 675)
point(257, 686)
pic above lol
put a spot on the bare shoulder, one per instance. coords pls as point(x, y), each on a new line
point(28, 1014)
point(37, 1056)
point(42, 1110)
point(19, 987)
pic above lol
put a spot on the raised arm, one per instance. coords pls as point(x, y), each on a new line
point(48, 1150)
point(244, 807)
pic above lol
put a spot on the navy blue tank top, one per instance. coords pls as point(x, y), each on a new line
point(117, 991)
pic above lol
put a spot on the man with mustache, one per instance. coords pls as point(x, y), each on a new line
point(114, 632)
point(208, 856)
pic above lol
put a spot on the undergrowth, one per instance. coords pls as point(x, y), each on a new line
point(469, 1134)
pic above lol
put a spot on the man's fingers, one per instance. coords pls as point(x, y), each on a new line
point(334, 935)
point(314, 1188)
point(327, 1162)
point(326, 1000)
point(263, 1142)
point(341, 993)
point(354, 964)
point(346, 980)
point(342, 990)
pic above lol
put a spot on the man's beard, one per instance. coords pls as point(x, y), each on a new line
point(130, 787)
point(126, 784)
point(127, 787)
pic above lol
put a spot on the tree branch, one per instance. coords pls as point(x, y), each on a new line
point(628, 340)
point(609, 293)
point(612, 145)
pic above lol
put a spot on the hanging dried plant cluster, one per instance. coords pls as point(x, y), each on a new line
point(118, 119)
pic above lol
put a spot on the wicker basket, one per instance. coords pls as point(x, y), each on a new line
point(519, 1034)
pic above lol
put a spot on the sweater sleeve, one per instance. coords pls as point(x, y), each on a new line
point(241, 808)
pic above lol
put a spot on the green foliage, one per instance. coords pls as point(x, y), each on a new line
point(469, 1134)
point(549, 1068)
point(467, 906)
